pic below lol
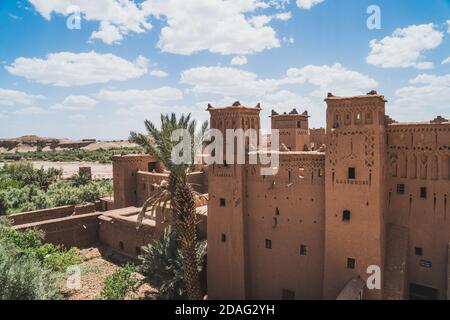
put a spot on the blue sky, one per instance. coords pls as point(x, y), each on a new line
point(132, 60)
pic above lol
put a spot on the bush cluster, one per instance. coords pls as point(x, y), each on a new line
point(70, 155)
point(23, 188)
point(122, 284)
point(28, 269)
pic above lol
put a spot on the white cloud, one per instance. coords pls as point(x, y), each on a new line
point(14, 97)
point(405, 47)
point(308, 4)
point(426, 92)
point(448, 24)
point(108, 33)
point(235, 82)
point(130, 98)
point(77, 117)
point(76, 103)
point(227, 81)
point(116, 17)
point(239, 61)
point(29, 111)
point(159, 73)
point(285, 99)
point(67, 69)
point(284, 16)
point(446, 61)
point(336, 79)
point(218, 26)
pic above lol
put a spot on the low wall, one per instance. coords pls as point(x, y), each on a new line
point(86, 208)
point(106, 204)
point(41, 215)
point(117, 230)
point(52, 213)
point(74, 231)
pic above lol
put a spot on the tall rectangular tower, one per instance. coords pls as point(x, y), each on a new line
point(125, 168)
point(227, 211)
point(354, 197)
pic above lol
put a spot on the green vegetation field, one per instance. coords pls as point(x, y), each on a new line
point(24, 188)
point(100, 155)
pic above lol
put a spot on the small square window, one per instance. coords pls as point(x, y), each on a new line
point(423, 192)
point(351, 263)
point(268, 244)
point(121, 246)
point(400, 188)
point(346, 216)
point(224, 238)
point(303, 250)
point(351, 173)
point(138, 251)
point(223, 203)
point(418, 251)
point(277, 212)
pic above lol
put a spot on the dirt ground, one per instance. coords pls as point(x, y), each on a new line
point(97, 264)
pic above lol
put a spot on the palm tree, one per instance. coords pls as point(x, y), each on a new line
point(176, 193)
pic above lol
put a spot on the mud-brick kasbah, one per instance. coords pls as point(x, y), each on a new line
point(365, 191)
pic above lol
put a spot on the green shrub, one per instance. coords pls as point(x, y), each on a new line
point(22, 275)
point(162, 262)
point(121, 284)
point(53, 257)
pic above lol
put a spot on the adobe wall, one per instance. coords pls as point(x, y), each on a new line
point(289, 210)
point(355, 198)
point(118, 229)
point(317, 137)
point(52, 213)
point(125, 169)
point(41, 215)
point(74, 231)
point(120, 232)
point(293, 130)
point(145, 181)
point(418, 156)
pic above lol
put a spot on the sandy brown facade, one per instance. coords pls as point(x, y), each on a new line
point(365, 191)
point(377, 196)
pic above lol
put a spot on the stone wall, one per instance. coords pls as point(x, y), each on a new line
point(52, 213)
point(418, 197)
point(41, 215)
point(74, 231)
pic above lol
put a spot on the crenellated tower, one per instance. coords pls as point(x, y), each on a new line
point(227, 210)
point(293, 129)
point(354, 192)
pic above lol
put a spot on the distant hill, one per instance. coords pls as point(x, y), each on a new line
point(33, 143)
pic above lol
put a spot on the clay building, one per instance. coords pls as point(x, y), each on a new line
point(365, 191)
point(377, 195)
